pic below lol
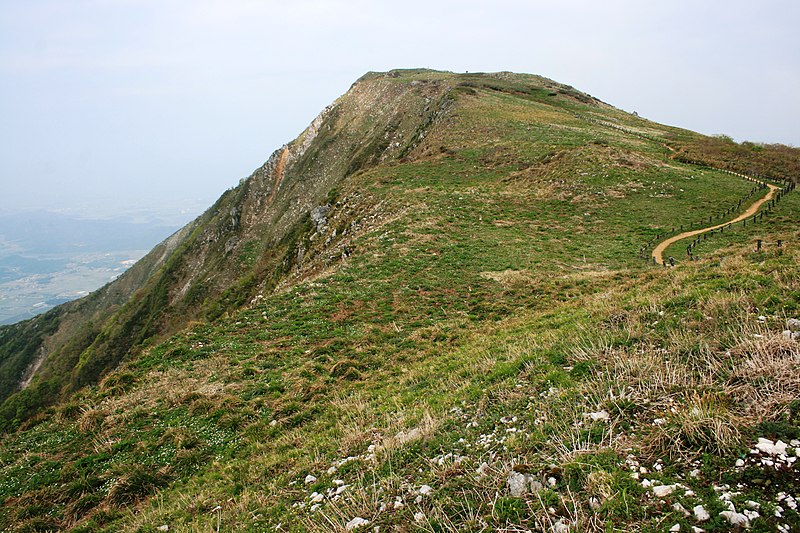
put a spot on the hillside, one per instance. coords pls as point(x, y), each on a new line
point(434, 310)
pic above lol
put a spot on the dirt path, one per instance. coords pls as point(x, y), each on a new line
point(658, 252)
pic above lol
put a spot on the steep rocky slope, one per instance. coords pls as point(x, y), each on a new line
point(431, 311)
point(241, 246)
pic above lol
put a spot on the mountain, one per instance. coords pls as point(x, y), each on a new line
point(437, 309)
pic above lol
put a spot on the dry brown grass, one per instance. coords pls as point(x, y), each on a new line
point(701, 424)
point(766, 378)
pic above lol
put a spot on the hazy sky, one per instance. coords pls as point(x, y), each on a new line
point(111, 105)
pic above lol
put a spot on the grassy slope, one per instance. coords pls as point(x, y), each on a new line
point(492, 274)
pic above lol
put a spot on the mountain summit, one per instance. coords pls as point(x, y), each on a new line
point(436, 308)
point(247, 243)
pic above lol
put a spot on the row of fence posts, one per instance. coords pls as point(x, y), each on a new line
point(752, 176)
point(643, 249)
point(756, 218)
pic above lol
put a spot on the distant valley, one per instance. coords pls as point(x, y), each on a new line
point(48, 258)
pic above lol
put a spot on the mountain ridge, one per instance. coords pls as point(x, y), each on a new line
point(433, 296)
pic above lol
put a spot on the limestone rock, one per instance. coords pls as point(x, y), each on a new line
point(771, 448)
point(735, 519)
point(520, 484)
point(319, 216)
point(662, 491)
point(700, 513)
point(356, 523)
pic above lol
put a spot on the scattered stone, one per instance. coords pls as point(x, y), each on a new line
point(483, 470)
point(165, 527)
point(681, 509)
point(598, 415)
point(750, 514)
point(594, 504)
point(791, 335)
point(739, 463)
point(560, 527)
point(700, 513)
point(425, 490)
point(310, 479)
point(676, 527)
point(735, 519)
point(696, 529)
point(520, 484)
point(356, 523)
point(662, 491)
point(341, 488)
point(273, 423)
point(419, 516)
point(316, 497)
point(771, 448)
point(793, 324)
point(318, 216)
point(752, 505)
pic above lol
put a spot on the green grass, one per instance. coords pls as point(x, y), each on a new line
point(490, 299)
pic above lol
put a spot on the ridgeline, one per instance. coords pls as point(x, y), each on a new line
point(433, 310)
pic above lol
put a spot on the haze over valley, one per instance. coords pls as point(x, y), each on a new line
point(48, 258)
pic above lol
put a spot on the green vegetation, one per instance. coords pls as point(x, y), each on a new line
point(471, 309)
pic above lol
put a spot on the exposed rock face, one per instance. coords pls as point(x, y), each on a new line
point(242, 246)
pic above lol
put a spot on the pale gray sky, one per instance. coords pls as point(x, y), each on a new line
point(111, 105)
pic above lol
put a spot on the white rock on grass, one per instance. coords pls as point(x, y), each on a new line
point(356, 523)
point(771, 448)
point(735, 519)
point(595, 504)
point(425, 490)
point(662, 491)
point(310, 479)
point(165, 527)
point(681, 509)
point(419, 516)
point(791, 335)
point(520, 484)
point(598, 415)
point(676, 527)
point(560, 527)
point(700, 513)
point(793, 324)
